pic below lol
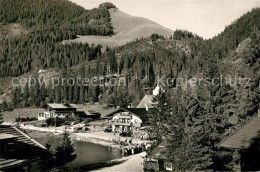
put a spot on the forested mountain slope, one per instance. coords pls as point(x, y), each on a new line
point(45, 24)
point(193, 117)
point(235, 33)
point(182, 55)
point(203, 116)
point(62, 18)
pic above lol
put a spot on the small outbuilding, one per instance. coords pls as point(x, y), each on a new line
point(246, 141)
point(156, 160)
point(18, 151)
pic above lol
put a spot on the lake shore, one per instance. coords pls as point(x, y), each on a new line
point(41, 132)
point(99, 137)
point(127, 164)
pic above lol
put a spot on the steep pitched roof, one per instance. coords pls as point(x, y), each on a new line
point(140, 112)
point(6, 164)
point(56, 105)
point(147, 101)
point(80, 114)
point(87, 112)
point(73, 106)
point(159, 151)
point(4, 136)
point(21, 136)
point(61, 106)
point(242, 138)
point(26, 148)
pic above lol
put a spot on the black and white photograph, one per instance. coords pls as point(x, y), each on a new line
point(129, 85)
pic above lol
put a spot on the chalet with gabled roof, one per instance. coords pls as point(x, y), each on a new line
point(18, 150)
point(148, 100)
point(246, 142)
point(57, 109)
point(156, 160)
point(127, 119)
point(86, 114)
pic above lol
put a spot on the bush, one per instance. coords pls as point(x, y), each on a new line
point(55, 121)
point(27, 119)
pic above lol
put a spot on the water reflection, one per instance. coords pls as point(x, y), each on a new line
point(87, 153)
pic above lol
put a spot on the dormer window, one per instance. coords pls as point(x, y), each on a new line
point(9, 147)
point(7, 144)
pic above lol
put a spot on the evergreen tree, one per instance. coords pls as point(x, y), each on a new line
point(43, 94)
point(26, 95)
point(47, 161)
point(1, 116)
point(4, 106)
point(46, 38)
point(16, 97)
point(160, 116)
point(65, 152)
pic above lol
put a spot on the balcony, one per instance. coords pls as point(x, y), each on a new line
point(126, 124)
point(121, 123)
point(137, 124)
point(124, 116)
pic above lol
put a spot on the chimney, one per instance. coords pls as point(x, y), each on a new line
point(130, 105)
point(146, 107)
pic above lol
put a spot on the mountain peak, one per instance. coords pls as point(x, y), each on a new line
point(126, 28)
point(107, 5)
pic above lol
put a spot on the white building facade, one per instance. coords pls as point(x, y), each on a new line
point(125, 122)
point(156, 90)
point(45, 115)
point(56, 110)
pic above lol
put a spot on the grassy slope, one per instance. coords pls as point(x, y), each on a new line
point(9, 116)
point(127, 28)
point(6, 83)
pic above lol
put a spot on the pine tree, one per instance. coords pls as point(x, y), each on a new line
point(176, 137)
point(197, 126)
point(1, 116)
point(26, 94)
point(47, 162)
point(65, 153)
point(43, 94)
point(4, 106)
point(160, 116)
point(37, 95)
point(16, 97)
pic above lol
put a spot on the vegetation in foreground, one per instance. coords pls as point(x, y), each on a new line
point(193, 118)
point(64, 153)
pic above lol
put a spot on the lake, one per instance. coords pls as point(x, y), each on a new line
point(87, 153)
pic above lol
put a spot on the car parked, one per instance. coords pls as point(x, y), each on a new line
point(125, 134)
point(108, 130)
point(85, 129)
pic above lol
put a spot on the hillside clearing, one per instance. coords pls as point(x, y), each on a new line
point(127, 29)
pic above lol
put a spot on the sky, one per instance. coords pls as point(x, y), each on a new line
point(206, 18)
